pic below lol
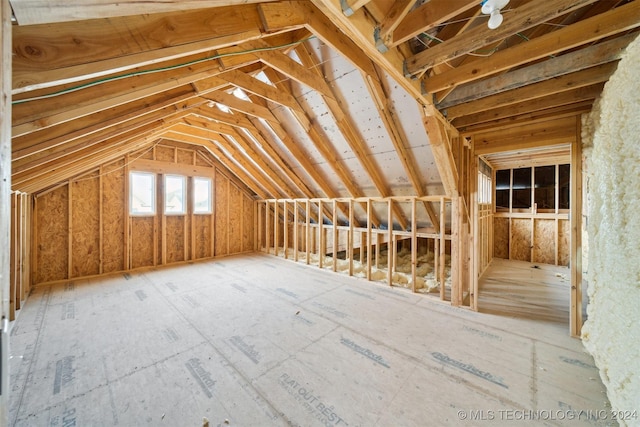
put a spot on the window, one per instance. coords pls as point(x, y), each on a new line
point(142, 193)
point(503, 185)
point(545, 187)
point(521, 197)
point(201, 195)
point(550, 188)
point(174, 194)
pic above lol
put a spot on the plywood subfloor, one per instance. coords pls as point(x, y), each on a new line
point(261, 341)
point(523, 289)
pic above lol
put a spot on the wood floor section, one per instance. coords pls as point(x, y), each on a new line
point(523, 289)
point(260, 341)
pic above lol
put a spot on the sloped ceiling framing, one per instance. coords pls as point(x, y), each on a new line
point(327, 98)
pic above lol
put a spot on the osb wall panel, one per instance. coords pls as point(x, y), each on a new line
point(185, 157)
point(521, 239)
point(235, 219)
point(247, 231)
point(200, 161)
point(165, 154)
point(145, 153)
point(222, 215)
point(52, 216)
point(113, 215)
point(85, 226)
point(564, 240)
point(141, 241)
point(202, 236)
point(174, 234)
point(544, 241)
point(501, 238)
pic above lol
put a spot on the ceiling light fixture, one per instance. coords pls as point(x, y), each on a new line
point(492, 8)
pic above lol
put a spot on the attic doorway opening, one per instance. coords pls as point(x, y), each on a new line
point(528, 223)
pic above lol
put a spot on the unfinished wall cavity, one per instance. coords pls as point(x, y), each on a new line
point(612, 332)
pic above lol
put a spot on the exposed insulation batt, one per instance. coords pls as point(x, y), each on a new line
point(612, 333)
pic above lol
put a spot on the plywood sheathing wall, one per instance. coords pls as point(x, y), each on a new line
point(81, 228)
point(544, 248)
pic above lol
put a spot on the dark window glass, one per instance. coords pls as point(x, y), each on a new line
point(545, 190)
point(503, 182)
point(564, 181)
point(521, 188)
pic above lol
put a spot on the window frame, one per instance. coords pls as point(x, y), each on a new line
point(184, 195)
point(153, 194)
point(210, 199)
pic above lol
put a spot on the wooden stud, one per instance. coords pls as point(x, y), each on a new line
point(267, 227)
point(320, 235)
point(414, 244)
point(276, 235)
point(335, 234)
point(575, 315)
point(228, 216)
point(212, 225)
point(70, 231)
point(369, 238)
point(350, 238)
point(285, 228)
point(12, 257)
point(308, 231)
point(296, 229)
point(390, 246)
point(441, 266)
point(127, 216)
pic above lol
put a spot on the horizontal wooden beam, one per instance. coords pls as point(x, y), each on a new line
point(30, 12)
point(554, 132)
point(519, 19)
point(590, 76)
point(76, 51)
point(534, 106)
point(607, 24)
point(582, 59)
point(429, 15)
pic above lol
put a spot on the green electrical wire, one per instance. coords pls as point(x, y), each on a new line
point(154, 70)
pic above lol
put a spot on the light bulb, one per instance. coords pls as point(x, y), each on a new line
point(495, 20)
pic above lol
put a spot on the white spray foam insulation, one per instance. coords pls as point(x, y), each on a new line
point(612, 331)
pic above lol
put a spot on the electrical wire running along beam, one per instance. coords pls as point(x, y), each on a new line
point(154, 70)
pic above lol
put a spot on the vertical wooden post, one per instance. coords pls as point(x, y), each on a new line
point(285, 229)
point(320, 235)
point(575, 315)
point(127, 215)
point(70, 231)
point(456, 258)
point(267, 226)
point(557, 211)
point(192, 216)
point(11, 248)
point(308, 230)
point(335, 234)
point(228, 251)
point(296, 219)
point(5, 198)
point(414, 244)
point(350, 239)
point(100, 219)
point(276, 230)
point(369, 224)
point(212, 225)
point(163, 221)
point(480, 250)
point(390, 247)
point(441, 258)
